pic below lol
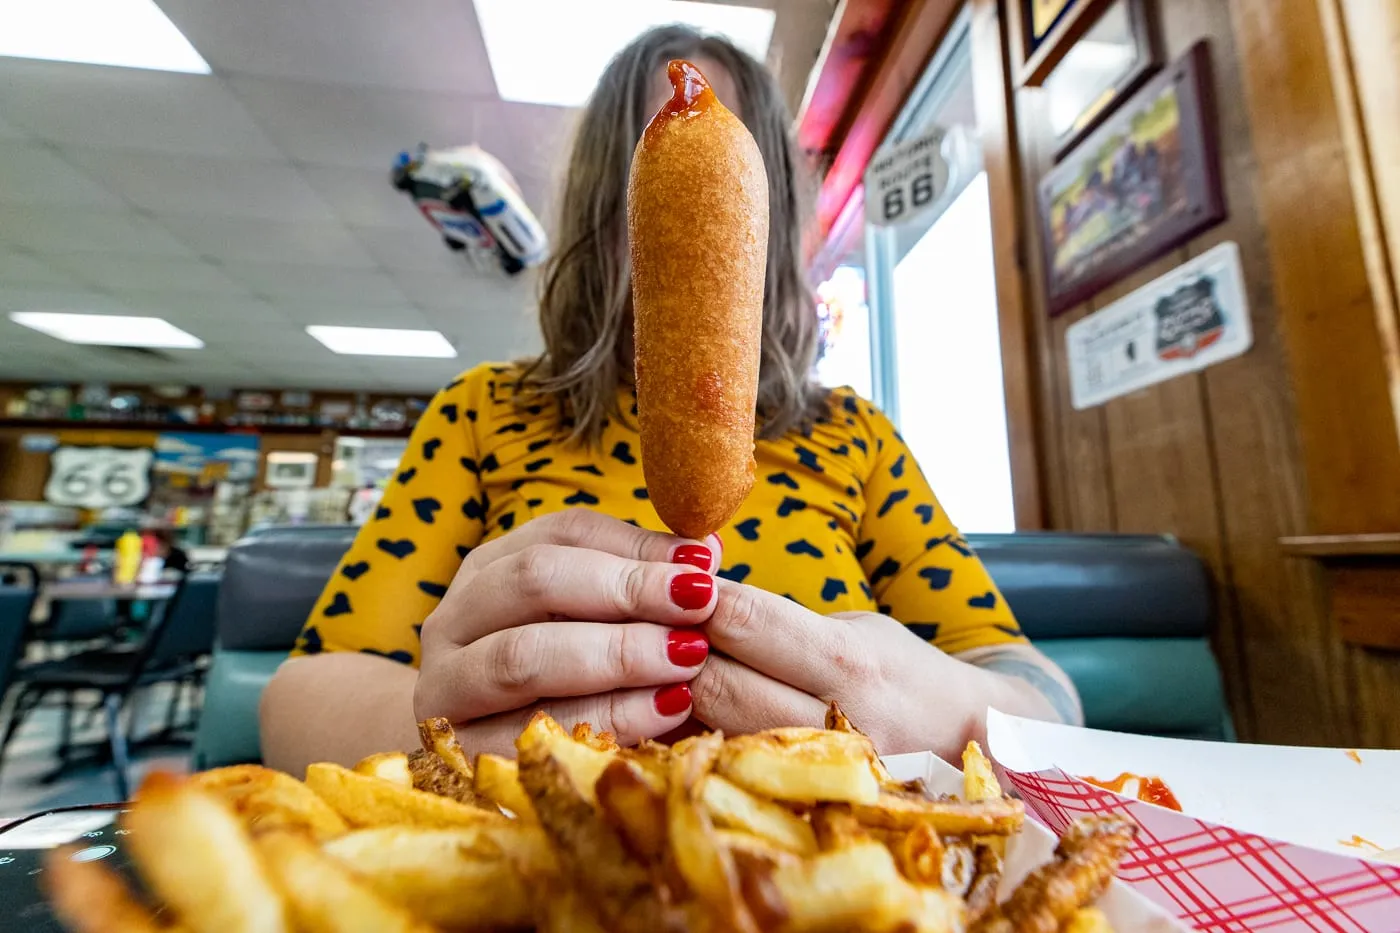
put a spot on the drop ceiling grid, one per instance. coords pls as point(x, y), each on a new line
point(246, 204)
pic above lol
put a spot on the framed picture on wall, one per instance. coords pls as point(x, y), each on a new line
point(1146, 180)
point(1049, 30)
point(1040, 16)
point(1117, 53)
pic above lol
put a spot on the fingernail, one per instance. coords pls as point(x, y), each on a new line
point(692, 590)
point(672, 700)
point(696, 555)
point(686, 648)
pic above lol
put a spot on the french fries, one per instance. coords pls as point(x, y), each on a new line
point(789, 831)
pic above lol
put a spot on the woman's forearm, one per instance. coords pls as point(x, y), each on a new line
point(336, 707)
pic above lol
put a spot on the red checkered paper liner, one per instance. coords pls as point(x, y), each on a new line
point(1222, 880)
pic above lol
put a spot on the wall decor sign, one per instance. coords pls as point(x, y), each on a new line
point(1141, 184)
point(1113, 58)
point(906, 180)
point(99, 477)
point(1192, 317)
point(1040, 16)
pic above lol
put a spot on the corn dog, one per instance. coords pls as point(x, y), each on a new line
point(697, 218)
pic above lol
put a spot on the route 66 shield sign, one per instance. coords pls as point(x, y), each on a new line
point(99, 477)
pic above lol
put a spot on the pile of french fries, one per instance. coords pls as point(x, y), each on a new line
point(788, 830)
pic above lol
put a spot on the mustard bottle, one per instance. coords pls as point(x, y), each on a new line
point(128, 559)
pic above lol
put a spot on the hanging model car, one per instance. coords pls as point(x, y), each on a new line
point(471, 199)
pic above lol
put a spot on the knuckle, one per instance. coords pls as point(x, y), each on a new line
point(516, 665)
point(711, 689)
point(743, 614)
point(533, 570)
point(630, 592)
point(621, 718)
point(628, 653)
point(570, 526)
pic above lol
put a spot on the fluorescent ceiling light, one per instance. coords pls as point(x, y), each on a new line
point(382, 341)
point(129, 33)
point(109, 330)
point(553, 51)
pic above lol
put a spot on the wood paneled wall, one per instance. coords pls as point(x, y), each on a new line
point(1281, 441)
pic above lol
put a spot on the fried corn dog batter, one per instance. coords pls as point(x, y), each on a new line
point(697, 214)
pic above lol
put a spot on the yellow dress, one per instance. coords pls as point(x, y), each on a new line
point(838, 520)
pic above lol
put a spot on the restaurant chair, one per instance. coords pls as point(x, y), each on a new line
point(174, 652)
point(19, 588)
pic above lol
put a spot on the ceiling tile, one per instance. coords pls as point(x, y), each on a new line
point(203, 186)
point(31, 173)
point(83, 301)
point(354, 127)
point(152, 274)
point(10, 131)
point(238, 240)
point(303, 313)
point(19, 269)
point(129, 108)
point(468, 291)
point(62, 233)
point(248, 314)
point(417, 248)
point(528, 138)
point(425, 45)
point(278, 281)
point(362, 196)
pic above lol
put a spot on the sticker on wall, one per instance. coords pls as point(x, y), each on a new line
point(1192, 317)
point(901, 183)
point(99, 477)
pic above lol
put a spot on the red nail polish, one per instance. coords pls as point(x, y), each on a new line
point(696, 555)
point(692, 590)
point(686, 648)
point(672, 700)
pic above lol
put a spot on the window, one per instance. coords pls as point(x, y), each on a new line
point(933, 309)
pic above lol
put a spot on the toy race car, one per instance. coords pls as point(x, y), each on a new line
point(469, 196)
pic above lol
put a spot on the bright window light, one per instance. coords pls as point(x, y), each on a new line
point(109, 330)
point(382, 341)
point(129, 33)
point(553, 51)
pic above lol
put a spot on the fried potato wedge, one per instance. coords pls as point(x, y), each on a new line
point(599, 741)
point(732, 807)
point(591, 851)
point(429, 772)
point(387, 766)
point(563, 910)
point(979, 780)
point(459, 879)
point(438, 737)
point(836, 721)
point(1088, 920)
point(1084, 864)
point(836, 827)
point(706, 866)
point(266, 799)
point(88, 897)
point(324, 896)
point(638, 810)
point(653, 758)
point(368, 801)
point(857, 887)
point(498, 780)
point(919, 855)
point(904, 810)
point(581, 762)
point(195, 856)
point(802, 765)
point(755, 848)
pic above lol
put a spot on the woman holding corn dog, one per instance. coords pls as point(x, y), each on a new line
point(661, 522)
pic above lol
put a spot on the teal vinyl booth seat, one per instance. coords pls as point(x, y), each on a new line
point(1128, 618)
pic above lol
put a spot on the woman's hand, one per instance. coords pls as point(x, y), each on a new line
point(777, 663)
point(546, 613)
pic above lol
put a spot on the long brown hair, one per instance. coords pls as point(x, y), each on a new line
point(586, 298)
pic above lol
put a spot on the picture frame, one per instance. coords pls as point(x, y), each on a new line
point(1035, 54)
point(1144, 181)
point(1117, 52)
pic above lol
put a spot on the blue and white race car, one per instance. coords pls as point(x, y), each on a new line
point(470, 197)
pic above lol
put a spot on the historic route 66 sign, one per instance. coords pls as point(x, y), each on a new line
point(99, 477)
